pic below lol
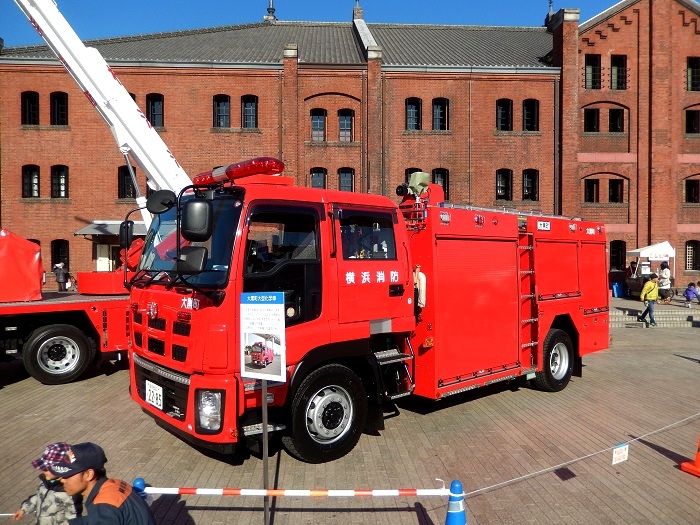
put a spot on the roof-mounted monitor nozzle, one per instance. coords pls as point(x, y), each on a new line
point(416, 185)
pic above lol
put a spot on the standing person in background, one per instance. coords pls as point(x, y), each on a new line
point(107, 501)
point(631, 270)
point(61, 276)
point(650, 293)
point(665, 292)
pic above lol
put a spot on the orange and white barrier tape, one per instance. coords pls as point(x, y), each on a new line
point(139, 485)
point(313, 493)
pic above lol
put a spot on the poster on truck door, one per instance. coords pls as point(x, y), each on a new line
point(263, 350)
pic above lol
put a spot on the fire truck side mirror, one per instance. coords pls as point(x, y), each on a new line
point(191, 260)
point(126, 234)
point(197, 219)
point(160, 201)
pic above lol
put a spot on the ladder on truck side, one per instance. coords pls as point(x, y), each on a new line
point(131, 129)
point(528, 300)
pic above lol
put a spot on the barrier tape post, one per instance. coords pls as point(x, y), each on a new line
point(456, 511)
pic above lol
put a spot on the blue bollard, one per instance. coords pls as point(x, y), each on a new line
point(456, 510)
point(139, 486)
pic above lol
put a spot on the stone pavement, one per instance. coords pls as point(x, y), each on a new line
point(644, 391)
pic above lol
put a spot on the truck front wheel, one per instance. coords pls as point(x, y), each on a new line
point(558, 357)
point(328, 415)
point(56, 354)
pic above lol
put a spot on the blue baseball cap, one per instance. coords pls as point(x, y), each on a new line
point(79, 458)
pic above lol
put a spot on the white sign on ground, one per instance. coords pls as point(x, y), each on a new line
point(620, 453)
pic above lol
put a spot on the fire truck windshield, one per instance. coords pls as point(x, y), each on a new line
point(160, 249)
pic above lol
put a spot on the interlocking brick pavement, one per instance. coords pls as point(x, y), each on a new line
point(645, 382)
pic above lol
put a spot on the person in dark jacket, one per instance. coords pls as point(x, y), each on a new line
point(61, 276)
point(107, 501)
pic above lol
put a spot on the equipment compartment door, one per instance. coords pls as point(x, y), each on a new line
point(477, 314)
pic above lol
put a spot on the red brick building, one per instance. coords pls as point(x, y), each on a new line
point(599, 119)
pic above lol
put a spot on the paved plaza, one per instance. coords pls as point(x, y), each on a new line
point(503, 443)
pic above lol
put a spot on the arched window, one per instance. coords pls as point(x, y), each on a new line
point(318, 177)
point(531, 185)
point(59, 182)
point(692, 190)
point(125, 185)
point(60, 253)
point(59, 108)
point(504, 114)
point(413, 113)
point(409, 171)
point(441, 176)
point(30, 181)
point(155, 103)
point(249, 111)
point(618, 251)
point(222, 111)
point(441, 121)
point(531, 115)
point(30, 108)
point(345, 121)
point(504, 184)
point(318, 125)
point(692, 255)
point(345, 179)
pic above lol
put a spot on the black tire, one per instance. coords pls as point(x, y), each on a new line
point(558, 362)
point(57, 354)
point(328, 415)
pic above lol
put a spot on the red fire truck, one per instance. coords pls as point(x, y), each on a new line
point(381, 301)
point(261, 354)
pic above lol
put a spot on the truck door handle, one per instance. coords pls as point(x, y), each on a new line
point(396, 290)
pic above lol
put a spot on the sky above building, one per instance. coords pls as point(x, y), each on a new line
point(113, 18)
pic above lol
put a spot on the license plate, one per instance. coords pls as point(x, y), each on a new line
point(154, 395)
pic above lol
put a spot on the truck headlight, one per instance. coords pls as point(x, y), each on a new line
point(210, 404)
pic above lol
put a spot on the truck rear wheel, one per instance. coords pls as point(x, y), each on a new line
point(56, 354)
point(328, 415)
point(558, 356)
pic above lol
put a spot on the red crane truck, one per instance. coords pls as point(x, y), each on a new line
point(381, 301)
point(57, 335)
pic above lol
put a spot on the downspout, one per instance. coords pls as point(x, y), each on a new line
point(469, 144)
point(557, 147)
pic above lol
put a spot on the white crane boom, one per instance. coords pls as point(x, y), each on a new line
point(131, 129)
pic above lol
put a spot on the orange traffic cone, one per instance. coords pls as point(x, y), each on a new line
point(694, 467)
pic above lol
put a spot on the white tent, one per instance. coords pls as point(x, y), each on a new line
point(662, 251)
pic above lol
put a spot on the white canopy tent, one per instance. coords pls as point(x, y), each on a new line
point(662, 251)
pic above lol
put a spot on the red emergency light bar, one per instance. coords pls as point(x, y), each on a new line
point(258, 166)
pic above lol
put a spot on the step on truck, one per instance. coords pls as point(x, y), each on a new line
point(381, 300)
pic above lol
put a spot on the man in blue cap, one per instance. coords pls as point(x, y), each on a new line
point(107, 501)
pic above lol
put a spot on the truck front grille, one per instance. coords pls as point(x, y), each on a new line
point(175, 386)
point(179, 353)
point(181, 328)
point(157, 324)
point(156, 346)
